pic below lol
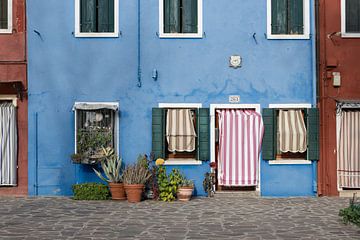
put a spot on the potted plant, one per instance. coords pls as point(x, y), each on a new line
point(135, 176)
point(112, 170)
point(185, 190)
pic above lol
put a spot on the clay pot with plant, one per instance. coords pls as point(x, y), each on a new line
point(135, 177)
point(185, 190)
point(111, 167)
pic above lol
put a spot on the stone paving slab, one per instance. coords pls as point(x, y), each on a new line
point(226, 216)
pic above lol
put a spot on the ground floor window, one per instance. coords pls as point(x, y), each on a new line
point(8, 143)
point(291, 132)
point(348, 145)
point(95, 129)
point(180, 132)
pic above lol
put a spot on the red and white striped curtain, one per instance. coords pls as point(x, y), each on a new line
point(349, 149)
point(240, 137)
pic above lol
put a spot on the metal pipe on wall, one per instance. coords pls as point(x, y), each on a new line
point(139, 46)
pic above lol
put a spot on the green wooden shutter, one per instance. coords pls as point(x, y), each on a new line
point(313, 133)
point(203, 128)
point(269, 139)
point(88, 16)
point(189, 16)
point(296, 17)
point(279, 16)
point(3, 14)
point(171, 16)
point(158, 132)
point(106, 15)
point(352, 16)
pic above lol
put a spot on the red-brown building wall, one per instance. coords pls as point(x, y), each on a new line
point(336, 54)
point(13, 68)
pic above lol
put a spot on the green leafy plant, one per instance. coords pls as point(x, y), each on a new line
point(136, 174)
point(90, 191)
point(111, 167)
point(351, 213)
point(91, 141)
point(168, 185)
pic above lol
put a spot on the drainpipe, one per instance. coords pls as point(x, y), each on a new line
point(139, 47)
point(36, 185)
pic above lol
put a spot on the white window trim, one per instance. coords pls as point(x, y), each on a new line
point(176, 161)
point(199, 34)
point(108, 34)
point(8, 30)
point(213, 108)
point(180, 105)
point(306, 34)
point(12, 98)
point(290, 105)
point(116, 127)
point(290, 161)
point(180, 161)
point(344, 34)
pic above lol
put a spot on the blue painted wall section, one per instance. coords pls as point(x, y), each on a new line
point(64, 69)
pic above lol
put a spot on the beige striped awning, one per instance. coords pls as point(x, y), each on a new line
point(292, 131)
point(180, 130)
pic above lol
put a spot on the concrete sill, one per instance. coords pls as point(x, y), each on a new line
point(182, 161)
point(289, 162)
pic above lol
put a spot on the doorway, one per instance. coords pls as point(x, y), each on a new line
point(348, 147)
point(236, 135)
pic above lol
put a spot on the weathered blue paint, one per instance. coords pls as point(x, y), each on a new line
point(63, 69)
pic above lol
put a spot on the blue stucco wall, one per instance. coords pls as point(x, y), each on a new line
point(63, 69)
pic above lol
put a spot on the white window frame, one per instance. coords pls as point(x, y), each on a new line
point(290, 161)
point(12, 98)
point(344, 34)
point(199, 34)
point(116, 127)
point(97, 34)
point(305, 35)
point(179, 161)
point(213, 108)
point(8, 30)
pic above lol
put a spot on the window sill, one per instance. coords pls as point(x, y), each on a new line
point(180, 35)
point(5, 31)
point(350, 35)
point(290, 162)
point(288, 37)
point(181, 161)
point(97, 35)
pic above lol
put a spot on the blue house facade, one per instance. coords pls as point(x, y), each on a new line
point(137, 60)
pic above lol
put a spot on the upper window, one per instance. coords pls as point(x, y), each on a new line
point(180, 18)
point(5, 16)
point(288, 19)
point(96, 18)
point(350, 18)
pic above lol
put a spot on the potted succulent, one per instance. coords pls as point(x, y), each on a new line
point(135, 176)
point(112, 170)
point(185, 190)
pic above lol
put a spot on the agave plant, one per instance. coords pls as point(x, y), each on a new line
point(111, 167)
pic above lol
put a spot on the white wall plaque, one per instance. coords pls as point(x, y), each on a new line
point(234, 98)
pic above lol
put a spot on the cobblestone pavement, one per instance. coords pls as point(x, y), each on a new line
point(226, 216)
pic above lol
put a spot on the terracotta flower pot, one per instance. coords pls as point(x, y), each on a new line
point(184, 193)
point(117, 191)
point(134, 192)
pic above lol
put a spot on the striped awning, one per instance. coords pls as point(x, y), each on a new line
point(292, 131)
point(180, 130)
